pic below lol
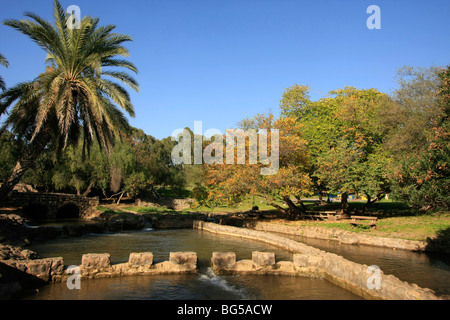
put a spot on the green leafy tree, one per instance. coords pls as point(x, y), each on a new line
point(426, 183)
point(80, 95)
point(411, 117)
point(70, 173)
point(8, 158)
point(295, 101)
point(346, 143)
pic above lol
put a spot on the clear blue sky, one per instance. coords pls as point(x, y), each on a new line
point(219, 61)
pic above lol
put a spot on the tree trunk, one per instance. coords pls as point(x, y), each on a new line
point(344, 204)
point(26, 162)
point(370, 201)
point(302, 205)
point(120, 198)
point(294, 211)
point(15, 177)
point(367, 204)
point(89, 188)
point(285, 211)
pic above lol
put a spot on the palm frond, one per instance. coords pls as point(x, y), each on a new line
point(77, 96)
point(4, 63)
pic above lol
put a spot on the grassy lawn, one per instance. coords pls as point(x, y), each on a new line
point(418, 227)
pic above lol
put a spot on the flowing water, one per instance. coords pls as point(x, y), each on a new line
point(430, 271)
point(202, 286)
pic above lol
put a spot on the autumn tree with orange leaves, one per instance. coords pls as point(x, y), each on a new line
point(230, 184)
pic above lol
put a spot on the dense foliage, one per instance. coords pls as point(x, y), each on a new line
point(69, 125)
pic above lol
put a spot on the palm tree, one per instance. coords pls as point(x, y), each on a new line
point(5, 63)
point(80, 96)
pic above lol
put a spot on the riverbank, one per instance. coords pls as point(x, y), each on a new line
point(395, 219)
point(16, 233)
point(332, 233)
point(309, 261)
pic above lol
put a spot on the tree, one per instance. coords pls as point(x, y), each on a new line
point(346, 143)
point(426, 183)
point(295, 101)
point(411, 116)
point(4, 63)
point(69, 173)
point(230, 184)
point(76, 98)
point(8, 145)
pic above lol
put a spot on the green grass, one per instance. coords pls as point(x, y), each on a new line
point(170, 192)
point(419, 227)
point(149, 209)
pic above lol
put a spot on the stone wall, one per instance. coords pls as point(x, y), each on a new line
point(262, 263)
point(32, 274)
point(176, 204)
point(342, 236)
point(96, 266)
point(53, 202)
point(314, 262)
point(99, 266)
point(43, 269)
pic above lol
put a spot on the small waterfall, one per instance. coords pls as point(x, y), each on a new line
point(148, 226)
point(220, 283)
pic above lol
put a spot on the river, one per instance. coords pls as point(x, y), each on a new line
point(202, 286)
point(427, 270)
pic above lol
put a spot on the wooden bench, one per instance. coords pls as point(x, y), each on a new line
point(322, 215)
point(315, 216)
point(367, 221)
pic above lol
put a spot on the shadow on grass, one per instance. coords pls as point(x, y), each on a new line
point(384, 209)
point(441, 242)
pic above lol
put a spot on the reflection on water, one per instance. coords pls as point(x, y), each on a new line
point(203, 286)
point(428, 270)
point(198, 287)
point(160, 243)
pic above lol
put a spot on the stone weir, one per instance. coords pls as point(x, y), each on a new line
point(95, 266)
point(368, 282)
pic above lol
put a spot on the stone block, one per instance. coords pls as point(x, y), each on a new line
point(223, 260)
point(39, 267)
point(44, 269)
point(314, 261)
point(300, 260)
point(183, 258)
point(140, 259)
point(263, 259)
point(96, 260)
